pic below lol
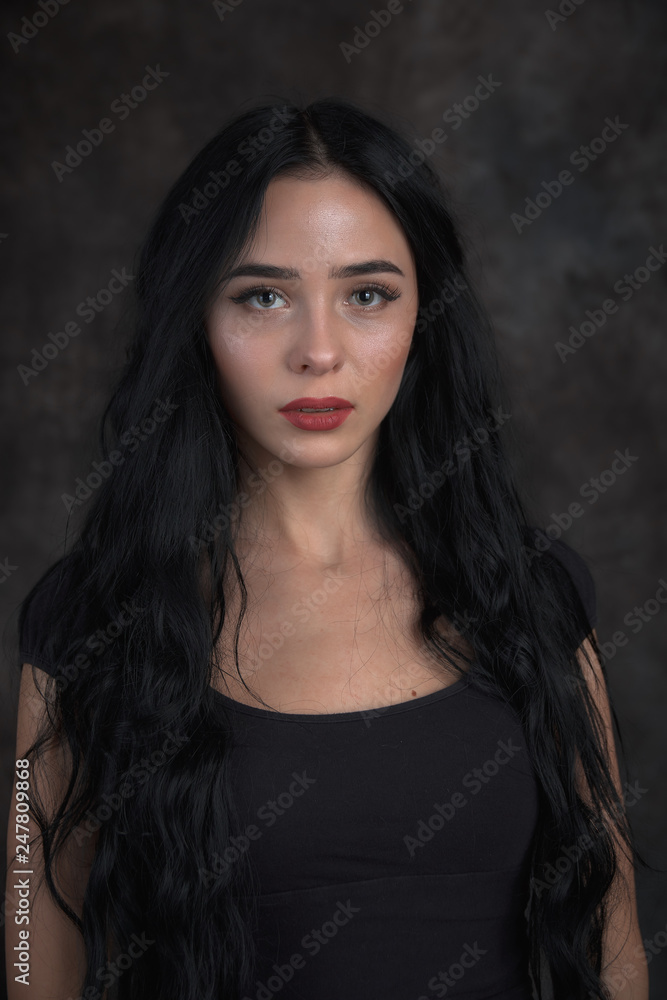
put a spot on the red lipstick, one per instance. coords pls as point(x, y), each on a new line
point(333, 412)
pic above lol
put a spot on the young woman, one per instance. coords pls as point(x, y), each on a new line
point(326, 715)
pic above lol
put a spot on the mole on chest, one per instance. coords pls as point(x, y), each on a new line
point(328, 657)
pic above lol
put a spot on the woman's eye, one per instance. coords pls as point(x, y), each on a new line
point(384, 293)
point(270, 298)
point(366, 296)
point(267, 297)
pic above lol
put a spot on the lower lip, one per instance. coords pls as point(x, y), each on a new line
point(317, 421)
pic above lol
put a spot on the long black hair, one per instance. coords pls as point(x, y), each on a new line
point(157, 540)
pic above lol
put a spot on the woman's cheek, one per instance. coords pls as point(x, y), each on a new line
point(386, 354)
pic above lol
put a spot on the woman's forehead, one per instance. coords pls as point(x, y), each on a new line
point(339, 214)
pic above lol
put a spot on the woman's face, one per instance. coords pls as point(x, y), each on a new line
point(323, 304)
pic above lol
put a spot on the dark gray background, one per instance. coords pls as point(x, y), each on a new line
point(60, 241)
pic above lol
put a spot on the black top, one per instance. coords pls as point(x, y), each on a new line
point(391, 846)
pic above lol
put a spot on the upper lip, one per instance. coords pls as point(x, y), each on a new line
point(312, 403)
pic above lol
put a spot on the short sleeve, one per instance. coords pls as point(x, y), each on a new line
point(581, 577)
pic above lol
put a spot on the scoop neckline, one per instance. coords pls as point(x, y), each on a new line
point(364, 713)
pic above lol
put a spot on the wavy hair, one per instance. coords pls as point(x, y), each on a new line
point(157, 538)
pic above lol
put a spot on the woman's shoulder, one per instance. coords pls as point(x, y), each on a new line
point(565, 557)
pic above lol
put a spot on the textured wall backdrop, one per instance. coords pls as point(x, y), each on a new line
point(579, 87)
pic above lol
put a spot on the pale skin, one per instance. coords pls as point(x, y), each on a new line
point(317, 335)
point(310, 341)
point(624, 966)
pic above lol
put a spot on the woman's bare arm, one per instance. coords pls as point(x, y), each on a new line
point(624, 966)
point(56, 958)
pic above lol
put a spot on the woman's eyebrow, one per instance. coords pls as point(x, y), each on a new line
point(291, 274)
point(365, 267)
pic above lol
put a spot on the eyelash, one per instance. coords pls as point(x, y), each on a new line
point(389, 293)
